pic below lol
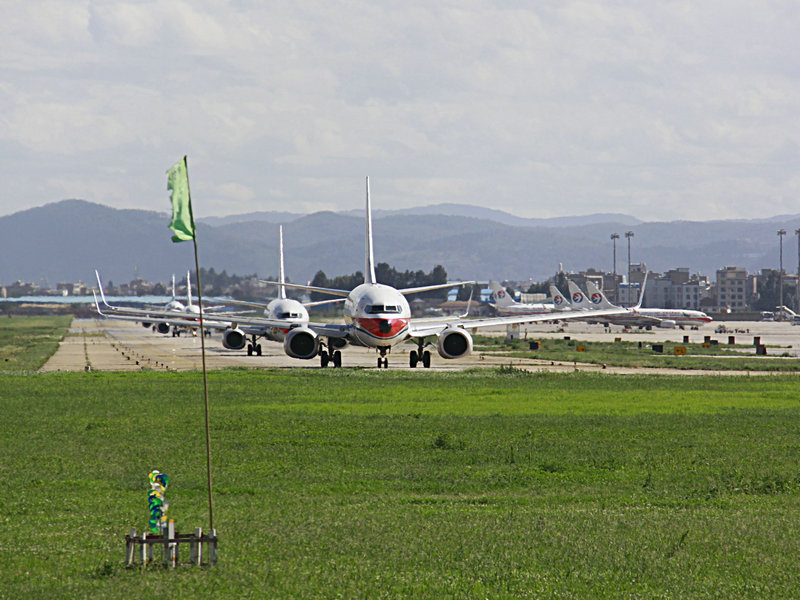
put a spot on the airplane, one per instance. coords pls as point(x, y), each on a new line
point(378, 316)
point(181, 311)
point(637, 316)
point(289, 312)
point(504, 304)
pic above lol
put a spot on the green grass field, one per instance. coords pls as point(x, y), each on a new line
point(27, 342)
point(717, 357)
point(370, 484)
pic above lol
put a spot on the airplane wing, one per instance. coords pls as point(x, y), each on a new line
point(264, 304)
point(431, 328)
point(310, 288)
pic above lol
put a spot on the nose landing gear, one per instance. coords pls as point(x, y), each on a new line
point(418, 355)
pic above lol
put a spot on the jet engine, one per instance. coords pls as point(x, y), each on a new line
point(667, 324)
point(233, 339)
point(162, 328)
point(301, 342)
point(454, 342)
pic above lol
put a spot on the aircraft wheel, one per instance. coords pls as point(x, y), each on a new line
point(323, 359)
point(337, 359)
point(426, 359)
point(258, 350)
point(383, 362)
point(413, 359)
point(249, 349)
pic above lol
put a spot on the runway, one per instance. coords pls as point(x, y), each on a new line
point(112, 345)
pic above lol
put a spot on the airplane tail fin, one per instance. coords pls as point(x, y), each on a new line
point(281, 277)
point(597, 298)
point(577, 297)
point(500, 295)
point(560, 301)
point(641, 294)
point(188, 289)
point(369, 266)
point(173, 286)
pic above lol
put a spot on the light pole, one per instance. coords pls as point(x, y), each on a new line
point(781, 233)
point(614, 238)
point(629, 235)
point(797, 286)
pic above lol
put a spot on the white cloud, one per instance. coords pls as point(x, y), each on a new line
point(549, 109)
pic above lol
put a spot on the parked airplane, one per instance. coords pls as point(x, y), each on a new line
point(378, 316)
point(636, 316)
point(504, 304)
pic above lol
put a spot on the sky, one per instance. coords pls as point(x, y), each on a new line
point(662, 110)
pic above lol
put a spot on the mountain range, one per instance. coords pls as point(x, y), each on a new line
point(67, 240)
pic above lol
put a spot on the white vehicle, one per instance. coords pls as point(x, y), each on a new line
point(636, 316)
point(504, 304)
point(378, 316)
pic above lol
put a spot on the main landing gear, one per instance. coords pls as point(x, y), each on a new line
point(415, 356)
point(252, 347)
point(329, 356)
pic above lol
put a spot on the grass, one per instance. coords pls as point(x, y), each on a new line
point(717, 357)
point(367, 484)
point(27, 342)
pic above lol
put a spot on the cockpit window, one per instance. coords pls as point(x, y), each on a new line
point(288, 315)
point(374, 309)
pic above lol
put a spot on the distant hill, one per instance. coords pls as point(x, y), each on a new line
point(447, 209)
point(65, 241)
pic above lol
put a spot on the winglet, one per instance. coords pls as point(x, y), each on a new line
point(469, 302)
point(281, 276)
point(96, 304)
point(641, 294)
point(369, 266)
point(100, 286)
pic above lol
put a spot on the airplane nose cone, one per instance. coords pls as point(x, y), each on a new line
point(384, 326)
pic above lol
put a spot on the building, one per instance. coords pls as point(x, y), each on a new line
point(733, 291)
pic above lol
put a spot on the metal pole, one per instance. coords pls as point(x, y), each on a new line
point(614, 238)
point(781, 233)
point(629, 235)
point(203, 353)
point(797, 283)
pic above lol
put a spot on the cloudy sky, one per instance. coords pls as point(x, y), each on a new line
point(662, 110)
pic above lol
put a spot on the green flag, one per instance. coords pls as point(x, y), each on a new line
point(182, 220)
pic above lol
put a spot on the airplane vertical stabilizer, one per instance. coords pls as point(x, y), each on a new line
point(369, 267)
point(188, 289)
point(597, 297)
point(173, 286)
point(500, 295)
point(577, 297)
point(281, 276)
point(560, 301)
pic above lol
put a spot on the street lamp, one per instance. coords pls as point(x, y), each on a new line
point(629, 235)
point(614, 238)
point(781, 233)
point(797, 287)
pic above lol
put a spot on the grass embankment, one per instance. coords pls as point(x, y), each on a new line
point(715, 357)
point(350, 483)
point(27, 342)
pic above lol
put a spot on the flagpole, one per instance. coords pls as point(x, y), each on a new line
point(203, 353)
